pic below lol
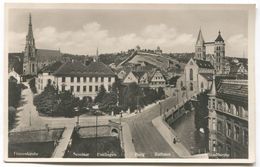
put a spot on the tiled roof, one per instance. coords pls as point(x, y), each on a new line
point(219, 38)
point(99, 68)
point(204, 64)
point(43, 135)
point(138, 74)
point(48, 55)
point(79, 69)
point(208, 77)
point(51, 67)
point(233, 90)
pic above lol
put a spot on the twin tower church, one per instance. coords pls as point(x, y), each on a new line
point(35, 59)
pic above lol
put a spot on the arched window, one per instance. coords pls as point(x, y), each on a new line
point(191, 74)
point(191, 86)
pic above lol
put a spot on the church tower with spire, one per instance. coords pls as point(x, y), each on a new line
point(219, 53)
point(30, 57)
point(200, 48)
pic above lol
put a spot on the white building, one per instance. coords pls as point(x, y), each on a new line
point(14, 75)
point(45, 75)
point(197, 77)
point(157, 80)
point(84, 80)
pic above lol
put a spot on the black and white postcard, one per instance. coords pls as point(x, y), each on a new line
point(129, 83)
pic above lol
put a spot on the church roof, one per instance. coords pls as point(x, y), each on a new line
point(46, 55)
point(51, 67)
point(200, 39)
point(207, 76)
point(79, 69)
point(219, 38)
point(204, 64)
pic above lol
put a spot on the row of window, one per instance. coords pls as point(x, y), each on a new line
point(84, 88)
point(157, 83)
point(231, 132)
point(229, 108)
point(85, 79)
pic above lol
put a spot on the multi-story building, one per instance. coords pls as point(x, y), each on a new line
point(157, 79)
point(197, 77)
point(45, 75)
point(153, 79)
point(228, 119)
point(84, 80)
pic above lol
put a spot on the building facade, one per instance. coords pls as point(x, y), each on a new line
point(228, 119)
point(45, 75)
point(218, 59)
point(84, 80)
point(197, 77)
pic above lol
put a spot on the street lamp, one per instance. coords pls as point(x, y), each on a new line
point(121, 115)
point(96, 112)
point(77, 111)
point(30, 120)
point(160, 108)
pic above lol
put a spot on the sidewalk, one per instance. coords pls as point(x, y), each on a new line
point(128, 144)
point(168, 134)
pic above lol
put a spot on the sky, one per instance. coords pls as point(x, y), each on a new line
point(82, 31)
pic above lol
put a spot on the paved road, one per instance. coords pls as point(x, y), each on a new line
point(147, 140)
point(29, 118)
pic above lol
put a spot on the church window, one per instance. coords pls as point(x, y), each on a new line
point(191, 86)
point(32, 67)
point(191, 74)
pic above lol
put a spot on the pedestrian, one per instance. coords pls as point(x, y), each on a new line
point(132, 140)
point(174, 140)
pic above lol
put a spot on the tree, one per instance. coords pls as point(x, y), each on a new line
point(46, 102)
point(109, 102)
point(11, 117)
point(160, 94)
point(101, 94)
point(14, 93)
point(67, 103)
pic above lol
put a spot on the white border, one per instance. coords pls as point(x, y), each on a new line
point(251, 99)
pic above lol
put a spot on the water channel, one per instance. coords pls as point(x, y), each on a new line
point(193, 139)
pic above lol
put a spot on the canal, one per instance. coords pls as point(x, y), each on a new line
point(193, 139)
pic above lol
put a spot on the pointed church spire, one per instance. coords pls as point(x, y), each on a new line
point(200, 39)
point(219, 38)
point(30, 37)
